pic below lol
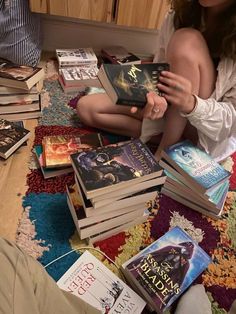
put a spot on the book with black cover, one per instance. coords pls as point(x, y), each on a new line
point(19, 76)
point(129, 84)
point(12, 136)
point(114, 167)
point(166, 268)
point(119, 55)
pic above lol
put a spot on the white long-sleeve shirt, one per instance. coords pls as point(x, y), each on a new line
point(215, 117)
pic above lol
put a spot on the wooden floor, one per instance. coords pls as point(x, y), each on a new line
point(13, 173)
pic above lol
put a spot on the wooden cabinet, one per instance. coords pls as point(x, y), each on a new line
point(141, 13)
point(94, 10)
point(147, 14)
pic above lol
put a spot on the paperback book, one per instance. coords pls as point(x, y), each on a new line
point(214, 202)
point(119, 55)
point(114, 167)
point(58, 148)
point(19, 76)
point(49, 172)
point(166, 268)
point(129, 84)
point(12, 136)
point(76, 57)
point(90, 226)
point(89, 279)
point(198, 168)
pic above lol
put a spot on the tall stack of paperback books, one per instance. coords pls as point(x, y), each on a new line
point(113, 185)
point(77, 69)
point(20, 88)
point(195, 179)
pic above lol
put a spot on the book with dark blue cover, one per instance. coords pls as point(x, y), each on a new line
point(166, 268)
point(201, 171)
point(114, 167)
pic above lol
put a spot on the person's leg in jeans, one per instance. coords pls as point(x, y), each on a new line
point(27, 288)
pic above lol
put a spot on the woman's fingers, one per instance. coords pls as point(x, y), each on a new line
point(155, 107)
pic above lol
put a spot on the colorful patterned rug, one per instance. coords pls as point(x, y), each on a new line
point(46, 230)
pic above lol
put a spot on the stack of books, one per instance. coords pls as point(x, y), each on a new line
point(20, 88)
point(195, 179)
point(112, 187)
point(12, 136)
point(53, 155)
point(77, 69)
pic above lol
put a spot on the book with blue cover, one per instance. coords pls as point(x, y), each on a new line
point(166, 268)
point(213, 200)
point(198, 168)
point(114, 167)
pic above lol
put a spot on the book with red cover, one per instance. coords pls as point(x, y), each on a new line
point(58, 148)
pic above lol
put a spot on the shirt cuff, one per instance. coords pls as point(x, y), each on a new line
point(197, 110)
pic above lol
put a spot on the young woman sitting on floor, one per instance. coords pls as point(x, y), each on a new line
point(198, 102)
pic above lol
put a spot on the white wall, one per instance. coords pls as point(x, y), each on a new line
point(70, 33)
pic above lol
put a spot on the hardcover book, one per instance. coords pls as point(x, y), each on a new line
point(76, 57)
point(19, 76)
point(114, 167)
point(198, 168)
point(58, 148)
point(11, 137)
point(90, 280)
point(129, 84)
point(119, 55)
point(166, 268)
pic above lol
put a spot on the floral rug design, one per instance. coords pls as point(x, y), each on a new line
point(46, 230)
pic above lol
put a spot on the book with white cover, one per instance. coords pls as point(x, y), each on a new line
point(76, 57)
point(89, 279)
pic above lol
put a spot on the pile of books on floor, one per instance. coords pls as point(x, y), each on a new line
point(12, 136)
point(195, 179)
point(112, 187)
point(155, 277)
point(53, 155)
point(78, 69)
point(20, 88)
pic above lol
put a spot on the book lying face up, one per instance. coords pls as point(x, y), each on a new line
point(129, 84)
point(166, 268)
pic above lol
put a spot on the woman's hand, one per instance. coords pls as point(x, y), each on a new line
point(177, 90)
point(155, 107)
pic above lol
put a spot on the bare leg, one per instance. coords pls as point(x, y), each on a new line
point(98, 111)
point(188, 56)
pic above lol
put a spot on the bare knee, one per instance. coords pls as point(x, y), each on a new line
point(85, 110)
point(186, 43)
